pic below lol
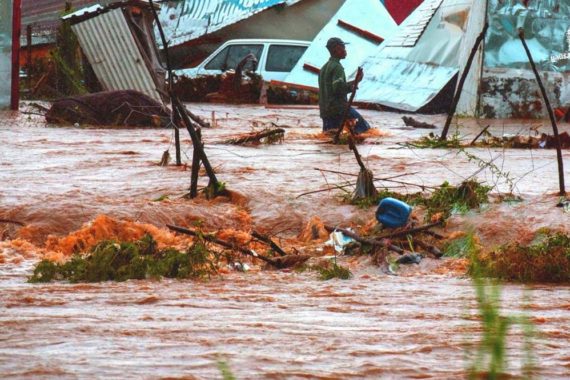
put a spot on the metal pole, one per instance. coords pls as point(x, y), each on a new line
point(16, 31)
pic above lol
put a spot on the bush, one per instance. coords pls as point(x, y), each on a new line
point(112, 261)
point(546, 259)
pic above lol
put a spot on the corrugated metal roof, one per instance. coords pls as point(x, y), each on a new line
point(408, 78)
point(366, 15)
point(45, 14)
point(111, 49)
point(186, 20)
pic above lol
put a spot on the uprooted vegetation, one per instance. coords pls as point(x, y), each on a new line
point(441, 203)
point(113, 261)
point(486, 139)
point(545, 259)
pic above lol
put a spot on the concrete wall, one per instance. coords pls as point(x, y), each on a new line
point(302, 21)
point(512, 93)
point(5, 53)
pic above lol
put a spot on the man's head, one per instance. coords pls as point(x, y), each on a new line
point(337, 47)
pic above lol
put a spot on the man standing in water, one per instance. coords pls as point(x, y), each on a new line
point(333, 89)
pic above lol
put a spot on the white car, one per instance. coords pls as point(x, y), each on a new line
point(276, 58)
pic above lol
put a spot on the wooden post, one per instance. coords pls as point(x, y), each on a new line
point(179, 108)
point(169, 70)
point(29, 57)
point(461, 83)
point(196, 163)
point(16, 31)
point(550, 114)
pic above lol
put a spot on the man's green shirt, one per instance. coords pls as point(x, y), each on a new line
point(332, 89)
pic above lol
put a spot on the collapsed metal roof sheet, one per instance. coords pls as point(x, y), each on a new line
point(410, 69)
point(186, 20)
point(362, 23)
point(110, 47)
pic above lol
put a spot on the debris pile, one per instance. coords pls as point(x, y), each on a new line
point(111, 108)
point(265, 136)
point(542, 141)
point(222, 88)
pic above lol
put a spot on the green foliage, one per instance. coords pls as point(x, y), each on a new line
point(211, 191)
point(336, 271)
point(545, 259)
point(65, 56)
point(446, 199)
point(45, 271)
point(225, 370)
point(449, 199)
point(464, 246)
point(163, 197)
point(432, 141)
point(491, 354)
point(491, 358)
point(112, 261)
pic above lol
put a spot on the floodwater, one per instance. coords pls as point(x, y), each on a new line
point(275, 325)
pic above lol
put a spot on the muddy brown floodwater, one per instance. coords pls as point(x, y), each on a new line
point(274, 325)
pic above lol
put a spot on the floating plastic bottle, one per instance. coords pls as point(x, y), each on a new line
point(393, 213)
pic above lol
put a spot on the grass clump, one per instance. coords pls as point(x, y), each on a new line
point(490, 361)
point(462, 246)
point(432, 141)
point(336, 271)
point(545, 259)
point(448, 199)
point(113, 261)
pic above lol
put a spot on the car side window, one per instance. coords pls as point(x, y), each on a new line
point(283, 58)
point(218, 62)
point(229, 57)
point(239, 52)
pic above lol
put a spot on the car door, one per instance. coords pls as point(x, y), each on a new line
point(281, 58)
point(229, 57)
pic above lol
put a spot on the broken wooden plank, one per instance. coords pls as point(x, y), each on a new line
point(411, 122)
point(361, 32)
point(271, 135)
point(223, 243)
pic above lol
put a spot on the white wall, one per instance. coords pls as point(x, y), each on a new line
point(5, 52)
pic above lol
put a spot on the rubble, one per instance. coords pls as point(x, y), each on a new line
point(110, 108)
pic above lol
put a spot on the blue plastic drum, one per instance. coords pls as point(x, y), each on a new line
point(393, 213)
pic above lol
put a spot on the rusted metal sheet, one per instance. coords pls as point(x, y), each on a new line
point(110, 47)
point(187, 20)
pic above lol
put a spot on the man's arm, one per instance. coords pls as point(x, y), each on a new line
point(352, 83)
point(339, 85)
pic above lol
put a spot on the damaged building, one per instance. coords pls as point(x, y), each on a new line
point(196, 28)
point(417, 69)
